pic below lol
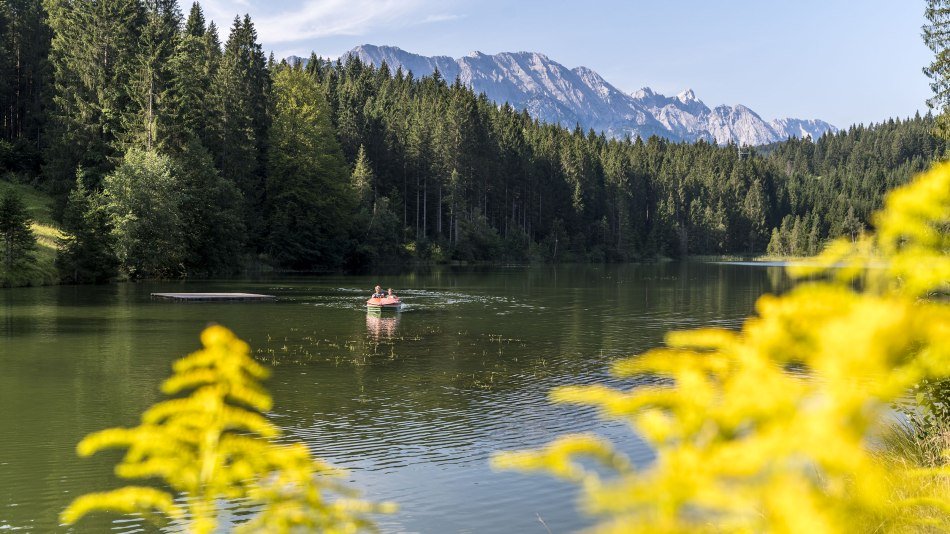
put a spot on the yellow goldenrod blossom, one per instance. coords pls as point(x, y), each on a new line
point(774, 428)
point(214, 444)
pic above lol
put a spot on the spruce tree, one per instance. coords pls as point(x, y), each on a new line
point(242, 87)
point(362, 177)
point(310, 202)
point(86, 254)
point(212, 223)
point(24, 80)
point(148, 121)
point(753, 208)
point(192, 104)
point(775, 247)
point(93, 52)
point(17, 241)
point(195, 26)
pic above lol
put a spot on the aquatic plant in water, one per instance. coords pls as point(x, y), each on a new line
point(742, 443)
point(214, 444)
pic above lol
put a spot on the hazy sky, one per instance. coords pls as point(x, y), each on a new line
point(841, 61)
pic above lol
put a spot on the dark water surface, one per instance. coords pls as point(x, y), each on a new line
point(411, 403)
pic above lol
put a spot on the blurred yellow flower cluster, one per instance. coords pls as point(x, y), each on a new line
point(216, 444)
point(778, 427)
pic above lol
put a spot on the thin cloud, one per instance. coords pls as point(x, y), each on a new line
point(288, 22)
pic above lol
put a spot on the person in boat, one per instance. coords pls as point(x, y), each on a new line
point(391, 295)
point(378, 293)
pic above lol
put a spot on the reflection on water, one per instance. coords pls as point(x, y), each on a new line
point(412, 403)
point(381, 325)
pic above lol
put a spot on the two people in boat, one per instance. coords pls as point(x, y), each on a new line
point(378, 293)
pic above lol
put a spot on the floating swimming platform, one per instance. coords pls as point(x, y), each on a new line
point(212, 297)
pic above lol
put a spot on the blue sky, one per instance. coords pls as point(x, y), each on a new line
point(842, 61)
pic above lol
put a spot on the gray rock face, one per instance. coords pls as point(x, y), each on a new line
point(553, 93)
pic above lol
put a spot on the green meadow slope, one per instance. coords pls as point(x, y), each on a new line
point(43, 271)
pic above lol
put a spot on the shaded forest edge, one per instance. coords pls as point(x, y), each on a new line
point(166, 154)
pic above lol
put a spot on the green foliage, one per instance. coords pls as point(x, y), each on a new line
point(24, 83)
point(87, 250)
point(310, 200)
point(143, 198)
point(363, 178)
point(93, 52)
point(149, 122)
point(211, 220)
point(212, 442)
point(241, 90)
point(743, 443)
point(476, 180)
point(17, 241)
point(38, 207)
point(193, 99)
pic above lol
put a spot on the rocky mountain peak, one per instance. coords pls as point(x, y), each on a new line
point(553, 93)
point(686, 96)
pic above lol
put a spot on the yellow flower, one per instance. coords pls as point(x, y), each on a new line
point(773, 428)
point(215, 444)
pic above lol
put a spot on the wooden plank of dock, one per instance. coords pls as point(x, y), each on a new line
point(207, 297)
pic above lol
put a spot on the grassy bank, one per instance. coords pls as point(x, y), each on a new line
point(39, 205)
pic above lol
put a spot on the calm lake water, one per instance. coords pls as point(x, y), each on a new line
point(412, 404)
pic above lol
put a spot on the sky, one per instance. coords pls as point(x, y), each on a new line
point(845, 62)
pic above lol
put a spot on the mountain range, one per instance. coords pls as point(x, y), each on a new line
point(553, 93)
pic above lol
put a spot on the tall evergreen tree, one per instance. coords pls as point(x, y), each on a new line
point(212, 223)
point(192, 104)
point(151, 78)
point(243, 86)
point(195, 26)
point(363, 178)
point(92, 53)
point(310, 201)
point(24, 79)
point(17, 240)
point(86, 254)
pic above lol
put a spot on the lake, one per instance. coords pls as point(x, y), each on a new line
point(412, 404)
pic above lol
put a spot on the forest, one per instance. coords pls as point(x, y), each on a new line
point(169, 154)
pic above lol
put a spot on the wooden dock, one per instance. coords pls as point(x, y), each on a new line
point(209, 297)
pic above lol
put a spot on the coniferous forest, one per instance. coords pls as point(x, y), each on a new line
point(174, 148)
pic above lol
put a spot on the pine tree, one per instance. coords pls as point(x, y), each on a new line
point(776, 248)
point(86, 254)
point(851, 226)
point(797, 240)
point(814, 236)
point(753, 208)
point(17, 240)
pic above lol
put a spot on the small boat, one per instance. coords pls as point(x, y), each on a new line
point(385, 303)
